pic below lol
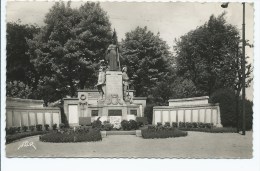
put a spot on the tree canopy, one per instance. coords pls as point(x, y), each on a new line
point(147, 57)
point(67, 50)
point(209, 55)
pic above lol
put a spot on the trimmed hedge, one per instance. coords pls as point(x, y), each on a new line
point(11, 138)
point(162, 133)
point(211, 130)
point(69, 135)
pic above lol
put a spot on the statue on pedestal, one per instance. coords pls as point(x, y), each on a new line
point(101, 81)
point(112, 56)
point(125, 79)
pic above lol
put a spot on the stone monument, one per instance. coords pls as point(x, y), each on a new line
point(113, 101)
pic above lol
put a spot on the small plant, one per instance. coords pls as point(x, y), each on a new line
point(46, 126)
point(167, 124)
point(108, 126)
point(159, 124)
point(54, 126)
point(62, 125)
point(125, 125)
point(97, 124)
point(32, 128)
point(24, 128)
point(39, 127)
point(174, 124)
point(133, 125)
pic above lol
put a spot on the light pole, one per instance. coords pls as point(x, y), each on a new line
point(225, 5)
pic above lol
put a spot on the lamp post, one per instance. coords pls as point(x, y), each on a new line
point(225, 5)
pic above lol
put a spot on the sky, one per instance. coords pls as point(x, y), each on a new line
point(170, 19)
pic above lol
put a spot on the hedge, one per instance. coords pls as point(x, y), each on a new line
point(163, 133)
point(211, 130)
point(11, 138)
point(69, 135)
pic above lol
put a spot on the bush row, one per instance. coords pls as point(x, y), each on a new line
point(11, 138)
point(187, 124)
point(162, 133)
point(70, 135)
point(211, 130)
point(38, 127)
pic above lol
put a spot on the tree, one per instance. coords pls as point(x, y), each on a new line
point(147, 57)
point(208, 55)
point(69, 47)
point(19, 68)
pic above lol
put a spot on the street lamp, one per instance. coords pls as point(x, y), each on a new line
point(225, 5)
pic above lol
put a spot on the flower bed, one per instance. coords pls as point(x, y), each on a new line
point(11, 138)
point(80, 134)
point(211, 130)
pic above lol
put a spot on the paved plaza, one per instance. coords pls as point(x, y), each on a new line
point(195, 145)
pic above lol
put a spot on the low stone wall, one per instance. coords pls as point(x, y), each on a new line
point(206, 113)
point(24, 112)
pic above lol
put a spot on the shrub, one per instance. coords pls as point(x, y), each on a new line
point(174, 124)
point(159, 124)
point(142, 120)
point(150, 133)
point(39, 127)
point(62, 125)
point(97, 124)
point(108, 126)
point(211, 130)
point(125, 125)
point(11, 130)
point(11, 138)
point(167, 124)
point(129, 125)
point(46, 126)
point(133, 125)
point(32, 128)
point(151, 127)
point(24, 128)
point(227, 103)
point(54, 126)
point(68, 135)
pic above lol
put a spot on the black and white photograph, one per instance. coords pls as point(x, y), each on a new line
point(130, 80)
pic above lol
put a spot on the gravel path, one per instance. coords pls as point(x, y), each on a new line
point(195, 145)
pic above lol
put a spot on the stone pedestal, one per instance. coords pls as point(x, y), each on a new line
point(114, 84)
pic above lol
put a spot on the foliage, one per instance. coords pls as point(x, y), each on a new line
point(107, 126)
point(227, 103)
point(164, 133)
point(39, 127)
point(129, 125)
point(174, 124)
point(208, 55)
point(11, 138)
point(62, 125)
point(18, 89)
point(11, 130)
point(142, 120)
point(149, 64)
point(54, 126)
point(46, 126)
point(32, 128)
point(97, 124)
point(184, 88)
point(19, 70)
point(212, 130)
point(68, 135)
point(68, 48)
point(24, 128)
point(195, 125)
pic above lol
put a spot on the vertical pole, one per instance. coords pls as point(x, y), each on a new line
point(243, 72)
